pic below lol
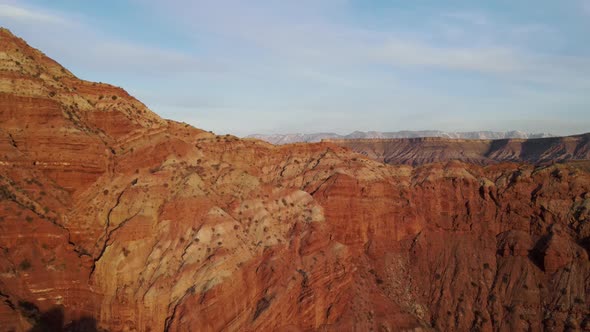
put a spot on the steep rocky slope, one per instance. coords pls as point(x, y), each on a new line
point(419, 151)
point(112, 218)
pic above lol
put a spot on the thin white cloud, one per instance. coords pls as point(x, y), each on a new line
point(116, 56)
point(303, 38)
point(508, 64)
point(84, 47)
point(27, 15)
point(484, 60)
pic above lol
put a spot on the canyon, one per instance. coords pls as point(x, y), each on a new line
point(424, 150)
point(114, 219)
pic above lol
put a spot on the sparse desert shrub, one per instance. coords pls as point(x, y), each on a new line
point(24, 265)
point(505, 279)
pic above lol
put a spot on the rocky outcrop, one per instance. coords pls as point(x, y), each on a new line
point(113, 218)
point(420, 151)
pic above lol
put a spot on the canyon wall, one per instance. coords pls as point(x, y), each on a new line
point(112, 218)
point(424, 150)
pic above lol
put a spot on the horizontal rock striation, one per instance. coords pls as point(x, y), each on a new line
point(114, 219)
point(424, 150)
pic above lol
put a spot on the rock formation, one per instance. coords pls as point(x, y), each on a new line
point(425, 150)
point(115, 219)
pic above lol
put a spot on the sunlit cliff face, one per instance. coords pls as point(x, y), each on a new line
point(113, 218)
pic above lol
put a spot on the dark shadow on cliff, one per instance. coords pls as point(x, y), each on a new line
point(53, 321)
point(537, 253)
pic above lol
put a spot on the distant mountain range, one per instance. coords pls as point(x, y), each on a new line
point(317, 137)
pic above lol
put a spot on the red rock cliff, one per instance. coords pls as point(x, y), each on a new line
point(120, 220)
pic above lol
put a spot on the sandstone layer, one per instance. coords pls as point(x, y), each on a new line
point(425, 150)
point(112, 218)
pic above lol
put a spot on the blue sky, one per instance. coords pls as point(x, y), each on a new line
point(246, 67)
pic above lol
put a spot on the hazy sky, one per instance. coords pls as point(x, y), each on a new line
point(247, 67)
